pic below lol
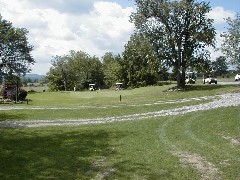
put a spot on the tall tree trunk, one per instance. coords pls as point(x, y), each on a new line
point(65, 85)
point(180, 79)
point(180, 69)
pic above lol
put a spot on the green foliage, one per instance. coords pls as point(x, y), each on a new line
point(15, 57)
point(141, 63)
point(178, 30)
point(77, 69)
point(231, 43)
point(220, 66)
point(112, 69)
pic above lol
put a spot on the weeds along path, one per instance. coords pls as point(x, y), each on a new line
point(224, 100)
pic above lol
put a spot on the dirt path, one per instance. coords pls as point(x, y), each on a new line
point(225, 100)
point(206, 169)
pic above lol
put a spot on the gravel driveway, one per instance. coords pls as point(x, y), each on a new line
point(224, 100)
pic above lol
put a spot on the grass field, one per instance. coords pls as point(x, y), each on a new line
point(200, 145)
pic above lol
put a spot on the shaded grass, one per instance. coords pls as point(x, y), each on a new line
point(214, 88)
point(110, 151)
point(53, 153)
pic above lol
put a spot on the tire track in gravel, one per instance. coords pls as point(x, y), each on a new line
point(224, 100)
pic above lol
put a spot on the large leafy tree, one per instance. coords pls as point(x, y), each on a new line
point(59, 76)
point(179, 30)
point(76, 69)
point(95, 70)
point(15, 50)
point(112, 69)
point(86, 69)
point(140, 62)
point(231, 41)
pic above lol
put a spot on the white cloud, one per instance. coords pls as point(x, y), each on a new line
point(94, 27)
point(219, 15)
point(58, 26)
point(41, 68)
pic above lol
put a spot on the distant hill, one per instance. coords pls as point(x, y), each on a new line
point(34, 76)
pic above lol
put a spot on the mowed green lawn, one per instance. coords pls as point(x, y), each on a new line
point(200, 145)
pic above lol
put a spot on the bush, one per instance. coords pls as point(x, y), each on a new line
point(22, 95)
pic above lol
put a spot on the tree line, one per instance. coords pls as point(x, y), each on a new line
point(77, 70)
point(172, 35)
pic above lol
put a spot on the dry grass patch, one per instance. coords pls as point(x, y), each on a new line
point(206, 169)
point(104, 171)
point(233, 140)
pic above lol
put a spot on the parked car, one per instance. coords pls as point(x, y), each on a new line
point(209, 80)
point(237, 77)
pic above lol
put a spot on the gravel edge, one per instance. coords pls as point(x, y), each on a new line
point(218, 101)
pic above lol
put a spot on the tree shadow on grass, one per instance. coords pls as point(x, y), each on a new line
point(57, 154)
point(207, 87)
point(128, 169)
point(7, 116)
point(51, 155)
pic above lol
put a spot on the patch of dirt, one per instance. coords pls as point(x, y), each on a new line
point(206, 169)
point(105, 173)
point(225, 162)
point(233, 141)
point(103, 170)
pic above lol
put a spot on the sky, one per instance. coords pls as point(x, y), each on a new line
point(93, 26)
